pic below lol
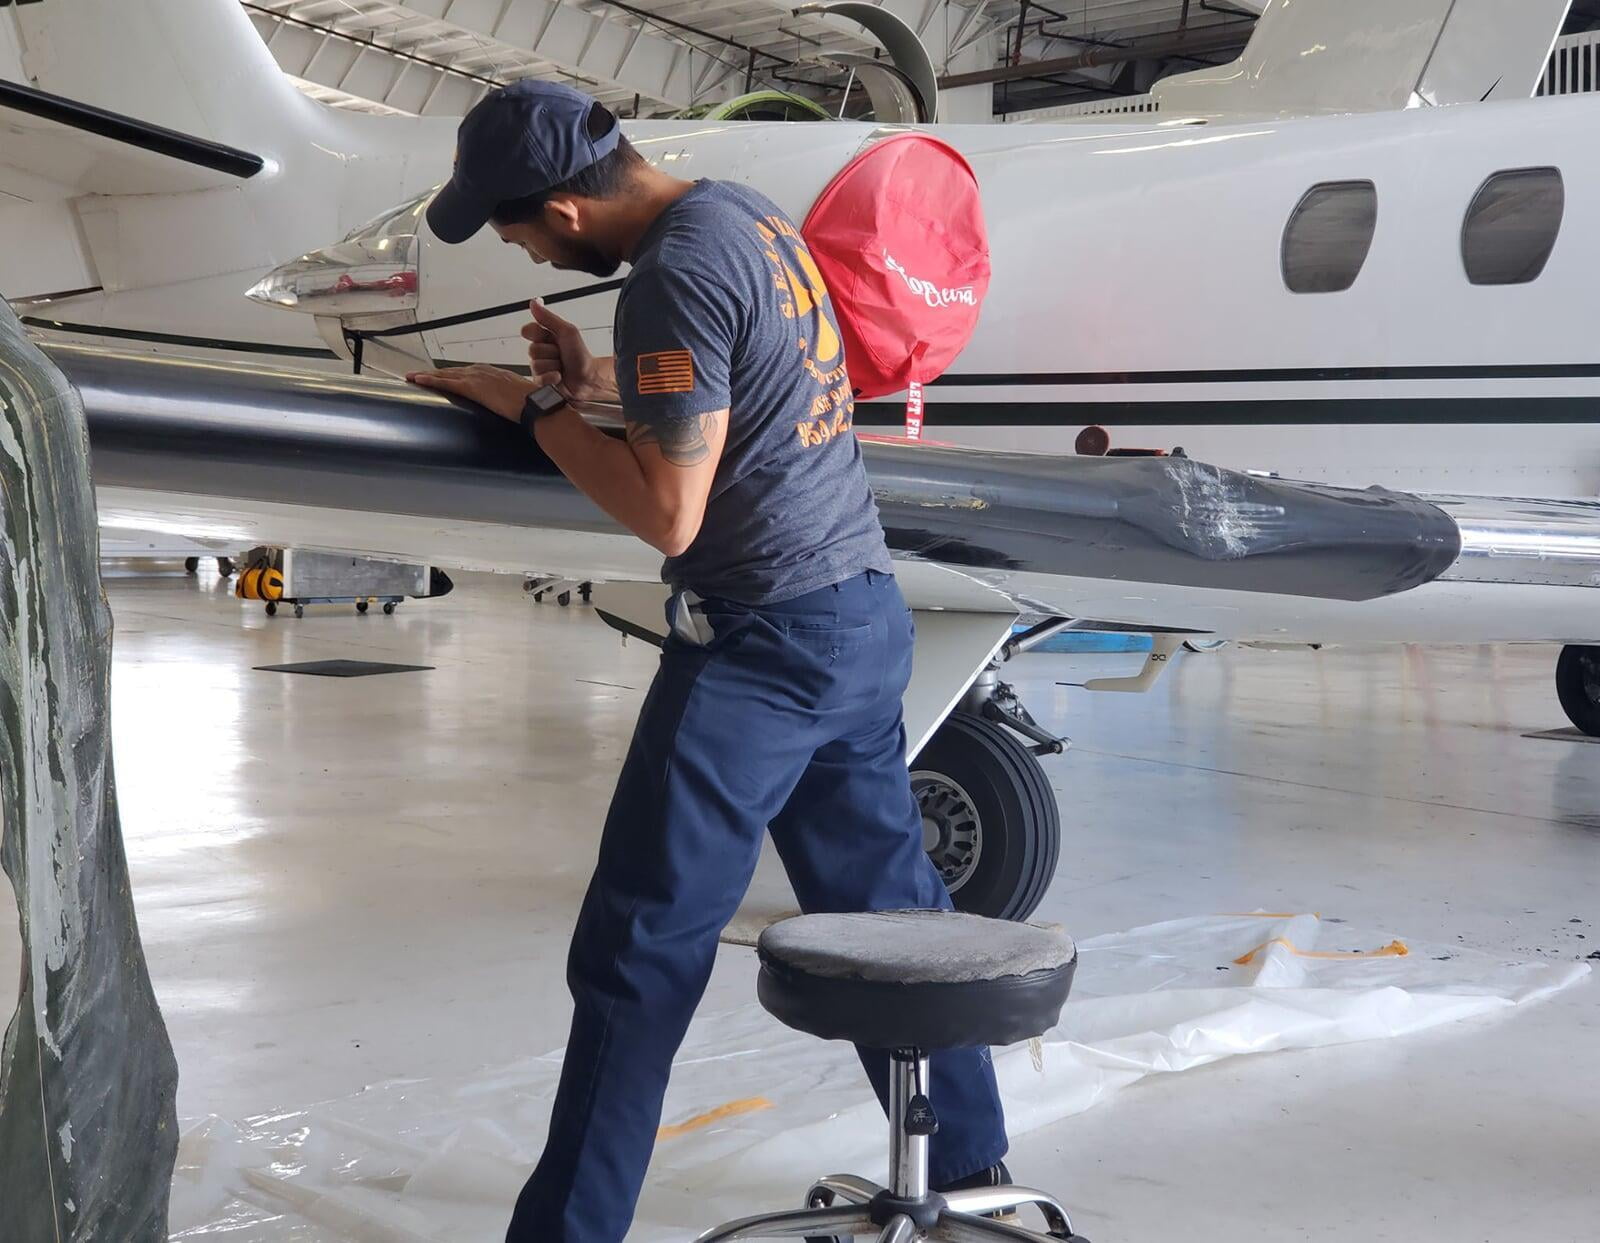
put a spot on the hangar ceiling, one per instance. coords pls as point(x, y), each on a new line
point(657, 56)
point(437, 56)
point(1137, 41)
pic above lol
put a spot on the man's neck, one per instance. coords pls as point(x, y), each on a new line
point(656, 192)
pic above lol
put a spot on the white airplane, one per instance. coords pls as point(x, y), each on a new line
point(1144, 272)
point(165, 230)
point(1284, 268)
point(1144, 269)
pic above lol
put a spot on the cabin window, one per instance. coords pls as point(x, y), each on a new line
point(1512, 225)
point(1328, 236)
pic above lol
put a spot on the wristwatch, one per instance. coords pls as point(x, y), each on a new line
point(543, 401)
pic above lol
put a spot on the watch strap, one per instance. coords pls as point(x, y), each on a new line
point(540, 403)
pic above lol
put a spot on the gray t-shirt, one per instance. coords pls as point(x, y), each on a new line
point(725, 309)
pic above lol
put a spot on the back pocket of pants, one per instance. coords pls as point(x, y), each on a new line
point(830, 643)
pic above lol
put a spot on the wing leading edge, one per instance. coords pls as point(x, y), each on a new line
point(350, 443)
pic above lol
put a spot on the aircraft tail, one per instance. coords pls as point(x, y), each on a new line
point(1324, 56)
point(159, 162)
point(197, 67)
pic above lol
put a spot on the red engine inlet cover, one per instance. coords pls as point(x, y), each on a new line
point(900, 240)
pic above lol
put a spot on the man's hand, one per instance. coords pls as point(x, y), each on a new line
point(491, 387)
point(557, 355)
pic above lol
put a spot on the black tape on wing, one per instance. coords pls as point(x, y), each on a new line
point(1166, 520)
point(354, 443)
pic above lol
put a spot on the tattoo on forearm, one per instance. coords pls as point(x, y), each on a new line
point(681, 441)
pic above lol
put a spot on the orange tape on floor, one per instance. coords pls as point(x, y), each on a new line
point(733, 1109)
point(1395, 949)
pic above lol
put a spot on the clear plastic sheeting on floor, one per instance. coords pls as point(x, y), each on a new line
point(755, 1110)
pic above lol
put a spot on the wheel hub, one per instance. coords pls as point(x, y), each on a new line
point(1590, 665)
point(952, 832)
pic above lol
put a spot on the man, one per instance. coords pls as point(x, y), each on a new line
point(777, 703)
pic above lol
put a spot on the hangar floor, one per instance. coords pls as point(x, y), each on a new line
point(341, 882)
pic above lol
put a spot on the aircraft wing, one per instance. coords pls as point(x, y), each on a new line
point(54, 148)
point(371, 465)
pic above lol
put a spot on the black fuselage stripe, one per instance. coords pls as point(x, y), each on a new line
point(1276, 411)
point(488, 312)
point(174, 338)
point(1268, 375)
point(1165, 413)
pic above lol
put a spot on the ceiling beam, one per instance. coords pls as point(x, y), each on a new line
point(1148, 49)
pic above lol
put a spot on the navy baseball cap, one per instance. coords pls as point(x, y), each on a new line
point(517, 140)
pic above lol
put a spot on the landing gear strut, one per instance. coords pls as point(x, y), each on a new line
point(1578, 686)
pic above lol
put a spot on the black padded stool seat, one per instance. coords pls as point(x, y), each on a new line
point(912, 983)
point(915, 979)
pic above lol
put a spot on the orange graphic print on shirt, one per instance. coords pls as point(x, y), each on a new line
point(802, 296)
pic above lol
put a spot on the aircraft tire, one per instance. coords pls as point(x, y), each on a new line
point(991, 823)
point(1578, 686)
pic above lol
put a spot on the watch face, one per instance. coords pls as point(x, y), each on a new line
point(547, 400)
point(540, 402)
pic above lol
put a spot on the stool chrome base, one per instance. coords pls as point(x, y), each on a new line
point(843, 1206)
point(955, 1221)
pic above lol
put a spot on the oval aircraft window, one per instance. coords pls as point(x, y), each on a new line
point(1327, 238)
point(1512, 226)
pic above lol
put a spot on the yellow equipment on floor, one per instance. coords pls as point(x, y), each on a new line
point(260, 582)
point(298, 577)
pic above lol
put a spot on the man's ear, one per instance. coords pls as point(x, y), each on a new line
point(562, 215)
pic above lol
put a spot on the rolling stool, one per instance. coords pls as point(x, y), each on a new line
point(912, 982)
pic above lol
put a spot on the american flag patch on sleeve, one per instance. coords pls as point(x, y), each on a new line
point(670, 371)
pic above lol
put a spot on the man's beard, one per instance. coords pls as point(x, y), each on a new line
point(582, 257)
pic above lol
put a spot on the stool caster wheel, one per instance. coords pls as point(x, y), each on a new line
point(191, 565)
point(564, 599)
point(388, 607)
point(821, 1197)
point(585, 590)
point(361, 606)
point(299, 610)
point(272, 609)
point(225, 566)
